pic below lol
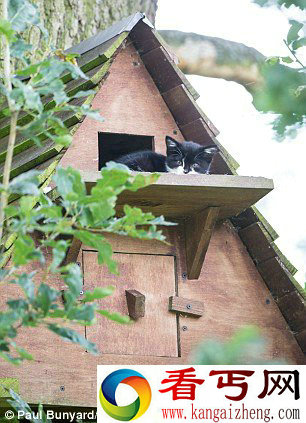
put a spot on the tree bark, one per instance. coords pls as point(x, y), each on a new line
point(71, 21)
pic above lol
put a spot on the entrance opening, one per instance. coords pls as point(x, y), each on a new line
point(112, 146)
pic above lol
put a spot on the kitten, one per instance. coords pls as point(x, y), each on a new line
point(185, 157)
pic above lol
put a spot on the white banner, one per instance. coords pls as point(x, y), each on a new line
point(212, 394)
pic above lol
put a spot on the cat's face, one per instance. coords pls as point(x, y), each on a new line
point(188, 157)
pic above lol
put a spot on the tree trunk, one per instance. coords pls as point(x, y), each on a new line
point(71, 21)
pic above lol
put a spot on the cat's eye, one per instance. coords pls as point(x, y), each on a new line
point(177, 162)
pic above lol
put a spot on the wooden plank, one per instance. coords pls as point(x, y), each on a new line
point(31, 158)
point(144, 38)
point(136, 303)
point(253, 215)
point(199, 131)
point(293, 309)
point(184, 109)
point(147, 39)
point(68, 118)
point(6, 384)
point(126, 244)
point(168, 195)
point(73, 251)
point(164, 71)
point(198, 233)
point(301, 339)
point(276, 276)
point(286, 262)
point(258, 242)
point(245, 218)
point(71, 89)
point(186, 306)
point(152, 275)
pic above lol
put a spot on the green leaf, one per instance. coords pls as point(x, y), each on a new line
point(58, 253)
point(24, 355)
point(57, 314)
point(32, 69)
point(64, 140)
point(56, 69)
point(301, 42)
point(98, 293)
point(272, 60)
point(18, 403)
point(45, 297)
point(19, 48)
point(10, 359)
point(104, 248)
point(22, 13)
point(8, 320)
point(74, 279)
point(116, 317)
point(26, 183)
point(25, 281)
point(25, 251)
point(7, 30)
point(4, 273)
point(72, 336)
point(294, 30)
point(26, 205)
point(51, 212)
point(85, 109)
point(141, 181)
point(83, 313)
point(69, 184)
point(26, 94)
point(287, 59)
point(80, 94)
point(42, 414)
point(18, 305)
point(11, 211)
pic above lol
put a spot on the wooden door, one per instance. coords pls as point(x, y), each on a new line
point(155, 334)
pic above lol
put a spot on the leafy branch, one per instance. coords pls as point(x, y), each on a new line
point(284, 88)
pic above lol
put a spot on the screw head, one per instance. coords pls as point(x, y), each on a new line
point(184, 328)
point(62, 388)
point(184, 275)
point(189, 306)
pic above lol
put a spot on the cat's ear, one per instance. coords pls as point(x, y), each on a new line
point(211, 150)
point(208, 152)
point(171, 142)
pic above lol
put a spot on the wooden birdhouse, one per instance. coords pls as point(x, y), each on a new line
point(221, 269)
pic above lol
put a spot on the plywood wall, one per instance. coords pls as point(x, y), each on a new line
point(130, 103)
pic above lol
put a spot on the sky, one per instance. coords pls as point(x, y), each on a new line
point(244, 132)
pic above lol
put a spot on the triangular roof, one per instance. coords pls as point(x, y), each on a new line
point(96, 55)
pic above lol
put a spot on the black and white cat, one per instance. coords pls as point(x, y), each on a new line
point(182, 157)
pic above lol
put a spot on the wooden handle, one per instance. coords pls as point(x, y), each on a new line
point(183, 305)
point(136, 303)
